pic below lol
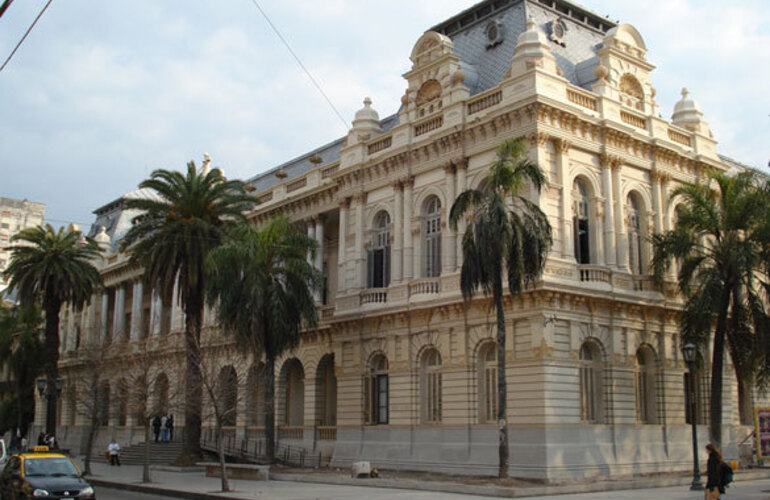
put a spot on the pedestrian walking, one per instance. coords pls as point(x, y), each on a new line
point(52, 443)
point(114, 451)
point(156, 427)
point(170, 426)
point(163, 429)
point(24, 444)
point(41, 439)
point(714, 484)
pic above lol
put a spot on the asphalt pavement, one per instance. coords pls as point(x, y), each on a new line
point(113, 494)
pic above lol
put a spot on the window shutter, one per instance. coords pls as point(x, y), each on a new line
point(369, 269)
point(386, 281)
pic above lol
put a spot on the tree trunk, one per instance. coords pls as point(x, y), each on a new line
point(745, 401)
point(502, 386)
point(221, 453)
point(91, 436)
point(146, 458)
point(51, 306)
point(717, 365)
point(270, 408)
point(193, 379)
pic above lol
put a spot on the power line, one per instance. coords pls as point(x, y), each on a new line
point(296, 58)
point(25, 34)
point(5, 6)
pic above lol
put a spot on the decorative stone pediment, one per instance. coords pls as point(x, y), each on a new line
point(623, 71)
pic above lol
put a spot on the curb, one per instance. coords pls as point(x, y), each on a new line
point(466, 489)
point(149, 489)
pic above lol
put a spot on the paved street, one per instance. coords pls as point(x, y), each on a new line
point(111, 494)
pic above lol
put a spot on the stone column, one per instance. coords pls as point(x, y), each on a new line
point(118, 316)
point(342, 247)
point(609, 214)
point(448, 243)
point(319, 236)
point(136, 311)
point(360, 250)
point(656, 201)
point(398, 236)
point(562, 165)
point(620, 219)
point(156, 313)
point(104, 320)
point(462, 169)
point(311, 235)
point(408, 243)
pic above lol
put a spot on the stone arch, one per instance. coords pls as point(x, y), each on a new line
point(326, 392)
point(291, 407)
point(425, 340)
point(630, 85)
point(627, 34)
point(429, 191)
point(429, 46)
point(485, 359)
point(374, 213)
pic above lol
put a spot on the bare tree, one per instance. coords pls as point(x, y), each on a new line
point(220, 364)
point(142, 369)
point(87, 391)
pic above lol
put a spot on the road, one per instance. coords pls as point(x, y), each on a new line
point(110, 494)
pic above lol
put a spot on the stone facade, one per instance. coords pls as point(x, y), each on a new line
point(15, 215)
point(398, 371)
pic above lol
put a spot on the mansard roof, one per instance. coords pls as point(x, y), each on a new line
point(487, 61)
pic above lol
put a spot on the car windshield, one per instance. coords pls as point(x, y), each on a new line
point(55, 467)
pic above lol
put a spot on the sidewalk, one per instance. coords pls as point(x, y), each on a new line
point(194, 485)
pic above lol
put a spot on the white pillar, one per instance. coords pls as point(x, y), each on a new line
point(319, 236)
point(448, 243)
point(104, 319)
point(398, 236)
point(310, 235)
point(408, 244)
point(562, 165)
point(656, 201)
point(156, 313)
point(360, 250)
point(342, 247)
point(136, 311)
point(620, 220)
point(610, 255)
point(462, 168)
point(119, 318)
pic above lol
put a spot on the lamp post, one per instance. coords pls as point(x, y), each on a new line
point(688, 352)
point(50, 393)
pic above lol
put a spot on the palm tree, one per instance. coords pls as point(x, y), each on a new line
point(263, 285)
point(715, 244)
point(52, 267)
point(170, 239)
point(506, 232)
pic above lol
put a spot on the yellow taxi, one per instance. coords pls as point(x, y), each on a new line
point(43, 474)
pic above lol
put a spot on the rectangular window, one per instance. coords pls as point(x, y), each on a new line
point(5, 225)
point(433, 383)
point(582, 247)
point(376, 399)
point(382, 399)
point(378, 268)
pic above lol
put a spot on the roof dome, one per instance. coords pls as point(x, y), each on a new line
point(687, 114)
point(367, 120)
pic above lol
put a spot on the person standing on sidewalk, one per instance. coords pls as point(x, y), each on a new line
point(156, 427)
point(170, 426)
point(163, 429)
point(714, 484)
point(114, 450)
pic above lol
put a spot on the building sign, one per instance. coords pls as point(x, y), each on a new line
point(762, 422)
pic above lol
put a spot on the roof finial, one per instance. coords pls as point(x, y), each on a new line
point(367, 102)
point(206, 161)
point(685, 92)
point(531, 23)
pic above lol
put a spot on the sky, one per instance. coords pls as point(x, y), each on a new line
point(103, 92)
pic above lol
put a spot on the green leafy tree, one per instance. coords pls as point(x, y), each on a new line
point(21, 348)
point(177, 228)
point(507, 233)
point(52, 267)
point(716, 244)
point(263, 286)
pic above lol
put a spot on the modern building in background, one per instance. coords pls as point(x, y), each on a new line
point(15, 215)
point(400, 370)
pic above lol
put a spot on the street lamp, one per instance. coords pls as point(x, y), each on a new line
point(42, 385)
point(688, 352)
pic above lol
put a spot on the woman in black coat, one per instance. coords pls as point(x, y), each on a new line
point(714, 485)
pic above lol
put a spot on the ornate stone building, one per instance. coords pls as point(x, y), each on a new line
point(400, 371)
point(16, 215)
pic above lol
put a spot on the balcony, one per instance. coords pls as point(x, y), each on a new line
point(426, 286)
point(285, 432)
point(374, 296)
point(594, 274)
point(327, 433)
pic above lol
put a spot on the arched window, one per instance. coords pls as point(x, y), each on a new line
point(430, 386)
point(645, 386)
point(227, 383)
point(255, 396)
point(326, 392)
point(634, 235)
point(294, 403)
point(590, 383)
point(431, 228)
point(378, 258)
point(581, 223)
point(376, 391)
point(487, 377)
